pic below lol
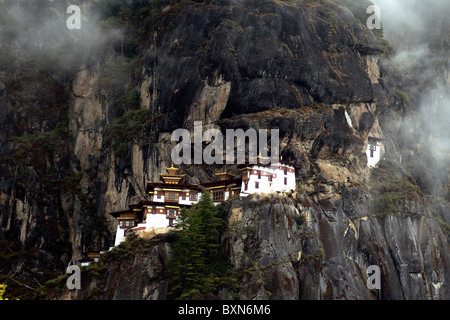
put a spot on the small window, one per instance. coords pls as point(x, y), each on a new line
point(193, 196)
point(172, 197)
point(285, 171)
point(285, 181)
point(218, 195)
point(259, 174)
point(183, 196)
point(127, 223)
point(256, 185)
point(269, 177)
point(171, 214)
point(245, 186)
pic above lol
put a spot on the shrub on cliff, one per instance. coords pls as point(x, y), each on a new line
point(197, 263)
point(392, 185)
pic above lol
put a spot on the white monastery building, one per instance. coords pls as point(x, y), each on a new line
point(374, 151)
point(171, 194)
point(268, 178)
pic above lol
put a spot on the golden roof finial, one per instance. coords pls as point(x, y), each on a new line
point(172, 170)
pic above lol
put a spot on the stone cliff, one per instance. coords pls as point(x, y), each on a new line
point(81, 142)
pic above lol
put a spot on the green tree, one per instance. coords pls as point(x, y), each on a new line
point(196, 254)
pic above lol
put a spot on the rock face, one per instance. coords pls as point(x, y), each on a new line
point(307, 69)
point(302, 52)
point(130, 275)
point(307, 250)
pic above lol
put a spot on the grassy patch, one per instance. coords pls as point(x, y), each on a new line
point(129, 125)
point(391, 185)
point(403, 97)
point(444, 226)
point(116, 70)
point(300, 219)
point(132, 245)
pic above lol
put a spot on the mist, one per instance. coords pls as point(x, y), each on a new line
point(419, 31)
point(37, 30)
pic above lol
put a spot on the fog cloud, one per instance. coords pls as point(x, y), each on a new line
point(419, 31)
point(37, 30)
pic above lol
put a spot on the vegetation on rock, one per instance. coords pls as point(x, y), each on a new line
point(392, 186)
point(198, 265)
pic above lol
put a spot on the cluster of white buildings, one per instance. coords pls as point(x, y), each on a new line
point(168, 196)
point(171, 193)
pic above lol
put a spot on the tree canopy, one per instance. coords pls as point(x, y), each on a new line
point(197, 261)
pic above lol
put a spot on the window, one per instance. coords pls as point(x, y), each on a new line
point(245, 186)
point(218, 195)
point(183, 196)
point(259, 174)
point(372, 148)
point(171, 214)
point(172, 197)
point(269, 177)
point(256, 185)
point(193, 196)
point(158, 194)
point(285, 181)
point(285, 171)
point(126, 223)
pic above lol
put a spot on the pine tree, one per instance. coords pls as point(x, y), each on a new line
point(196, 252)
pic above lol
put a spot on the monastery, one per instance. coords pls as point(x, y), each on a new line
point(374, 151)
point(168, 196)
